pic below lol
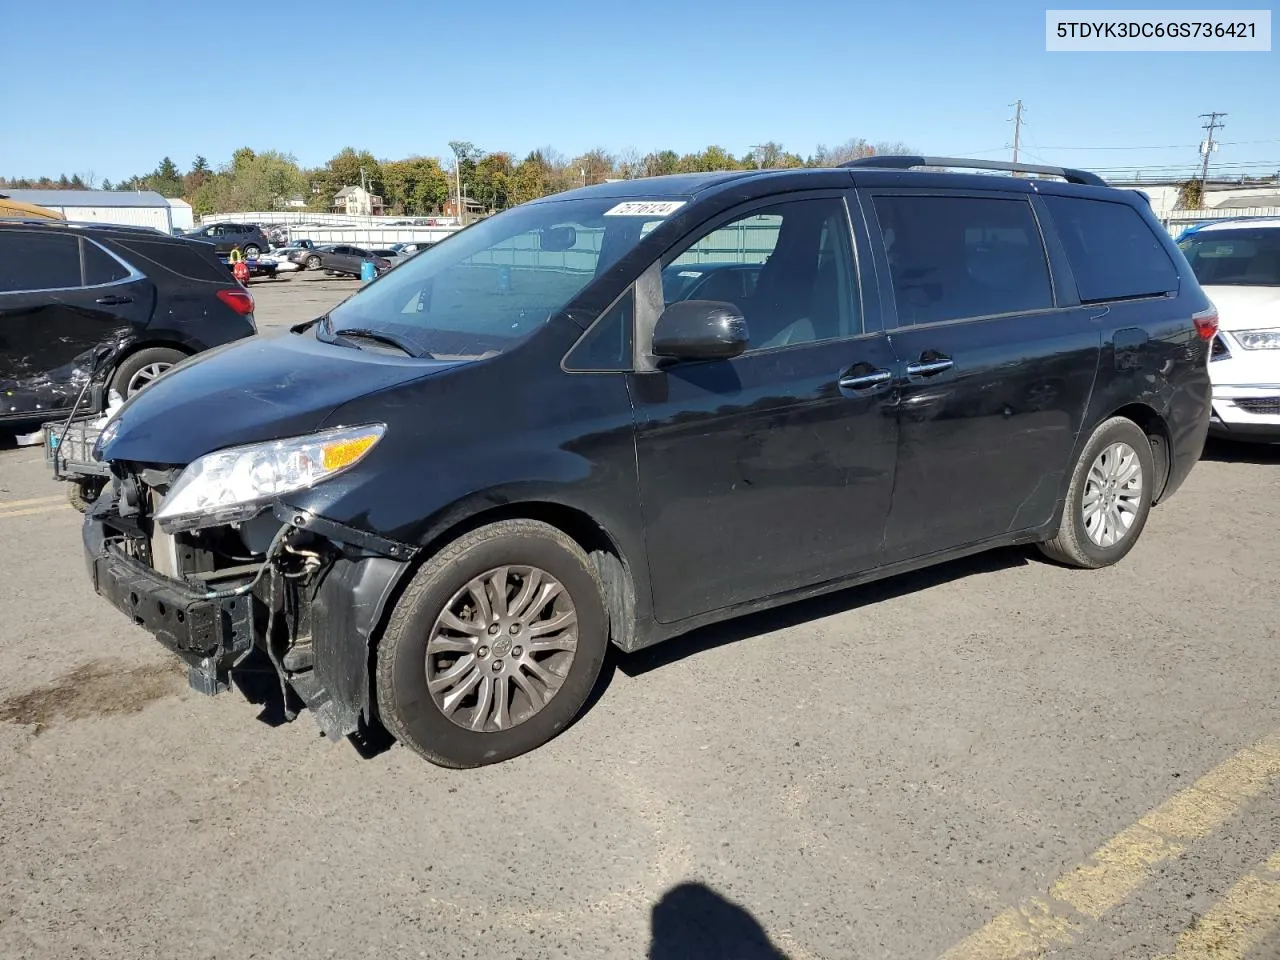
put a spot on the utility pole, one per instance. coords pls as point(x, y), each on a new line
point(457, 170)
point(1208, 146)
point(1017, 129)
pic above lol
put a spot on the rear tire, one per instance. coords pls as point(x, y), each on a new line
point(139, 369)
point(1107, 503)
point(482, 657)
point(252, 251)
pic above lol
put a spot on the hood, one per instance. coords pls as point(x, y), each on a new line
point(262, 388)
point(1245, 308)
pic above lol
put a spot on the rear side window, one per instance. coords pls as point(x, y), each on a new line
point(184, 259)
point(958, 257)
point(1114, 253)
point(100, 267)
point(38, 261)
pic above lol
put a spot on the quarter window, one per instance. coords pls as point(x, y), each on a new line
point(607, 345)
point(958, 257)
point(100, 267)
point(788, 267)
point(1113, 251)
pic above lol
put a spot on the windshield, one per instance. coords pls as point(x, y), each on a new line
point(501, 279)
point(1243, 258)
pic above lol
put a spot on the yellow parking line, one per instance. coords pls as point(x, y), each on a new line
point(1122, 865)
point(34, 510)
point(1238, 923)
point(6, 505)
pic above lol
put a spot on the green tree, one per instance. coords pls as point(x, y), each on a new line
point(415, 186)
point(712, 158)
point(196, 178)
point(660, 164)
point(165, 179)
point(531, 178)
point(491, 182)
point(343, 170)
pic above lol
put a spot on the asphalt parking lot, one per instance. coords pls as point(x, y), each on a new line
point(997, 758)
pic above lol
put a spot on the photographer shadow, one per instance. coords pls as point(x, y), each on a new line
point(693, 922)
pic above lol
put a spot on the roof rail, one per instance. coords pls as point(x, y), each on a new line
point(895, 162)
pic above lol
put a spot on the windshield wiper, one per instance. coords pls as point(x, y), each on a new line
point(377, 336)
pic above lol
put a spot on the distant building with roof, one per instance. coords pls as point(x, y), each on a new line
point(139, 208)
point(357, 201)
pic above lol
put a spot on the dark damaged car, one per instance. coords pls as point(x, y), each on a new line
point(436, 506)
point(117, 306)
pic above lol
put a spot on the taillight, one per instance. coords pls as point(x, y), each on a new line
point(238, 299)
point(1206, 322)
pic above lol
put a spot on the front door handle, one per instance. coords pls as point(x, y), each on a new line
point(113, 300)
point(865, 381)
point(929, 368)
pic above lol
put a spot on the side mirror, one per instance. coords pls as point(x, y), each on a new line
point(700, 330)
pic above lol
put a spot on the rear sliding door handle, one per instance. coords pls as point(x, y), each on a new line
point(865, 381)
point(929, 368)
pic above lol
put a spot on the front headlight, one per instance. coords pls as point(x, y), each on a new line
point(236, 483)
point(1258, 339)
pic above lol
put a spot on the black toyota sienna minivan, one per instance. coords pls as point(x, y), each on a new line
point(434, 507)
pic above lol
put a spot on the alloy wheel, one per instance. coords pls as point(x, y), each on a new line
point(1113, 494)
point(501, 648)
point(145, 376)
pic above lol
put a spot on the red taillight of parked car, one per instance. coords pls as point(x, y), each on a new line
point(238, 299)
point(1206, 322)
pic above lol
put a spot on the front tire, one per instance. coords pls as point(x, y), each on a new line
point(82, 494)
point(313, 263)
point(494, 646)
point(1109, 498)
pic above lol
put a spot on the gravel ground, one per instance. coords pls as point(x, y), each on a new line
point(892, 771)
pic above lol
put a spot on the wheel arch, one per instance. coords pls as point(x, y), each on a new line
point(1153, 424)
point(150, 343)
point(613, 566)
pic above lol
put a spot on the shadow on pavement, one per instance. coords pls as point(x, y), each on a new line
point(693, 921)
point(794, 614)
point(1234, 451)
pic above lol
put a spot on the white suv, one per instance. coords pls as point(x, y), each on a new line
point(1238, 264)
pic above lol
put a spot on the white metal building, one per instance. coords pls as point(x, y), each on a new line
point(141, 208)
point(181, 214)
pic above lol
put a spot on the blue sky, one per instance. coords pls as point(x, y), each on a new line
point(112, 87)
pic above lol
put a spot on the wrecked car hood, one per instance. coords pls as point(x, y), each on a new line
point(263, 388)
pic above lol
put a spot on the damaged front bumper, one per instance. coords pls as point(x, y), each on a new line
point(332, 607)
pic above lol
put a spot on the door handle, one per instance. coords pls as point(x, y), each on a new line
point(929, 368)
point(113, 300)
point(866, 381)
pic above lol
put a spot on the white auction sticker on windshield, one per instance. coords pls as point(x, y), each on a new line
point(645, 208)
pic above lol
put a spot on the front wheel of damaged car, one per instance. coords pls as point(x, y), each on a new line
point(494, 646)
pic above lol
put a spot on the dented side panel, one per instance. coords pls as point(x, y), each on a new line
point(47, 341)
